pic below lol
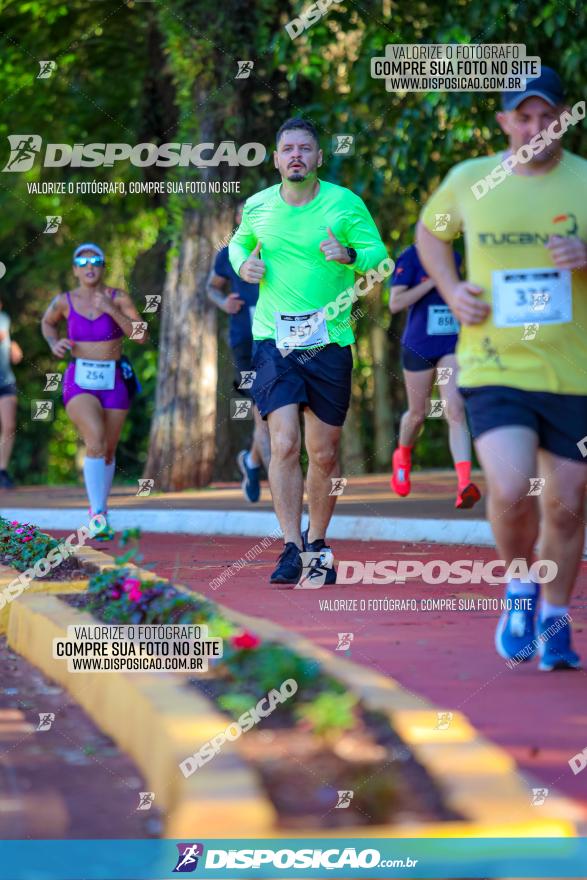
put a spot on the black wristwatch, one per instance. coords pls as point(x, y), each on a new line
point(352, 255)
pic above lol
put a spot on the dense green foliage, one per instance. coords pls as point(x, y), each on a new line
point(249, 667)
point(134, 72)
point(23, 544)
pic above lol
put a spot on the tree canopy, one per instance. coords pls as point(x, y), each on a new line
point(157, 72)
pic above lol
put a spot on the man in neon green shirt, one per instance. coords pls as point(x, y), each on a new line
point(522, 351)
point(302, 241)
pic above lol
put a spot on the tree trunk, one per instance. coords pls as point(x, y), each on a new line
point(232, 435)
point(182, 441)
point(352, 452)
point(382, 379)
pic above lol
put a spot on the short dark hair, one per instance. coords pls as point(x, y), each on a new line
point(297, 122)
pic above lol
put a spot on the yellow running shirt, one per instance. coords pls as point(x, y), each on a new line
point(535, 337)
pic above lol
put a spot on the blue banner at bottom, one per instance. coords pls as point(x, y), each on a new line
point(230, 858)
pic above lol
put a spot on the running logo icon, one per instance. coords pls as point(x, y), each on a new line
point(152, 302)
point(344, 641)
point(540, 300)
point(443, 375)
point(187, 860)
point(244, 69)
point(46, 69)
point(42, 410)
point(530, 331)
point(343, 145)
point(441, 222)
point(437, 408)
point(247, 379)
point(344, 800)
point(46, 719)
point(536, 485)
point(139, 328)
point(338, 484)
point(443, 720)
point(146, 799)
point(315, 569)
point(145, 487)
point(241, 409)
point(52, 381)
point(539, 795)
point(52, 224)
point(23, 151)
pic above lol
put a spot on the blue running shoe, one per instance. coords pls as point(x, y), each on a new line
point(316, 547)
point(289, 566)
point(106, 533)
point(516, 632)
point(250, 485)
point(555, 645)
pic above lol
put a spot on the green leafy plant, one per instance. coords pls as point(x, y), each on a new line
point(235, 704)
point(121, 595)
point(23, 544)
point(329, 713)
point(251, 667)
point(128, 535)
point(268, 665)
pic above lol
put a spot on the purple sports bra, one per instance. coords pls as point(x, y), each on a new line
point(82, 329)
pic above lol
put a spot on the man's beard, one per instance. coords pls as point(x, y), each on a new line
point(297, 176)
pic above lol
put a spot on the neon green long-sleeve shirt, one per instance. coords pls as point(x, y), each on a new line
point(297, 277)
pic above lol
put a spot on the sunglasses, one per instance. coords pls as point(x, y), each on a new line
point(83, 261)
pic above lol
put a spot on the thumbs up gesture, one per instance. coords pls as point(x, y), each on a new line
point(253, 269)
point(333, 250)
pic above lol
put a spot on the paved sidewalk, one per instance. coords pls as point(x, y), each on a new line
point(447, 657)
point(433, 495)
point(366, 510)
point(64, 779)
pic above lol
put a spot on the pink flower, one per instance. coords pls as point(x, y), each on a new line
point(245, 641)
point(135, 594)
point(27, 539)
point(19, 531)
point(131, 584)
point(14, 522)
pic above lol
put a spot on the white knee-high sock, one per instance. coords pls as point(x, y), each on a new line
point(110, 468)
point(95, 479)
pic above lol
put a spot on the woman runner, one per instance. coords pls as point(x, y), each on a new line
point(428, 346)
point(96, 392)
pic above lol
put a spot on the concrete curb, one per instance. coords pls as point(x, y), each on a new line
point(261, 523)
point(152, 717)
point(8, 574)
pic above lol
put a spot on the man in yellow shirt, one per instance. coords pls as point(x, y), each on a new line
point(522, 351)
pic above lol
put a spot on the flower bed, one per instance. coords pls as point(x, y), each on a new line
point(160, 715)
point(320, 742)
point(23, 544)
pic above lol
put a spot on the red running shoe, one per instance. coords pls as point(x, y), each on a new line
point(467, 497)
point(400, 478)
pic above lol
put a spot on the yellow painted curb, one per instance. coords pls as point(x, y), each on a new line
point(477, 778)
point(151, 717)
point(154, 720)
point(7, 575)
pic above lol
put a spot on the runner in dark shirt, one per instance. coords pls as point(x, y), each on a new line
point(238, 299)
point(428, 350)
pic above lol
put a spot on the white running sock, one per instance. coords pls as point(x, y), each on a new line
point(95, 479)
point(516, 587)
point(249, 462)
point(547, 610)
point(109, 468)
